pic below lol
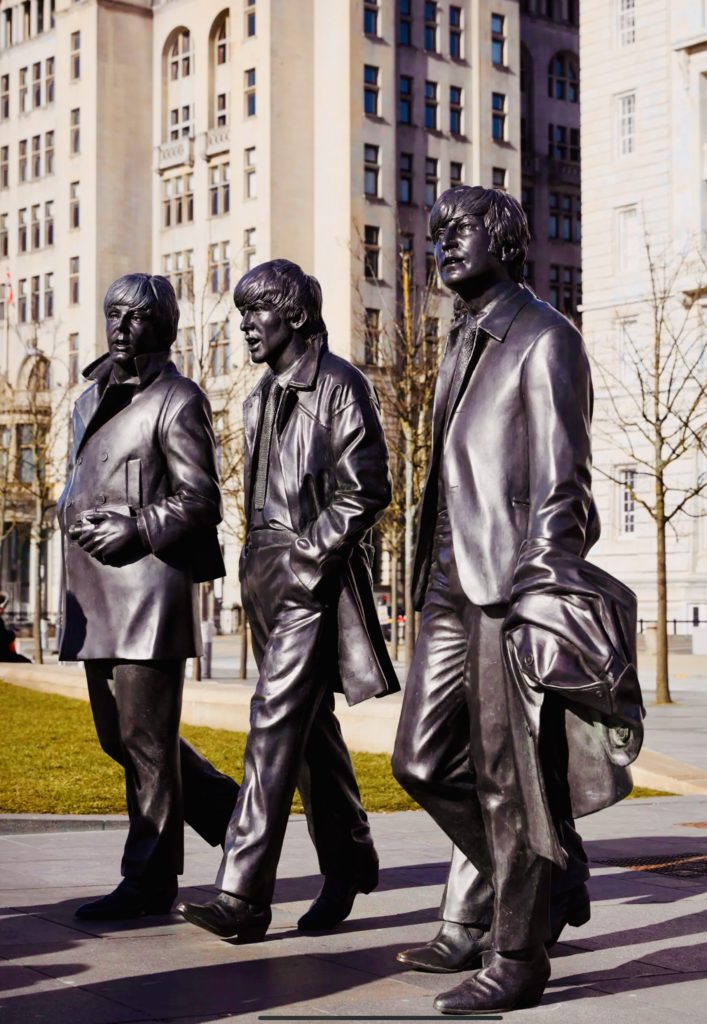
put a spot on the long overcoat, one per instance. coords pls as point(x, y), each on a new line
point(155, 459)
point(334, 463)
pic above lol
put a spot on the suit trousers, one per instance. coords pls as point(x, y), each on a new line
point(454, 755)
point(294, 738)
point(136, 709)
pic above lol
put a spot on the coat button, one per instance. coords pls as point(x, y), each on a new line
point(528, 659)
point(104, 456)
point(101, 499)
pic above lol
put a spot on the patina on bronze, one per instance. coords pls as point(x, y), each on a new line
point(316, 481)
point(493, 729)
point(138, 518)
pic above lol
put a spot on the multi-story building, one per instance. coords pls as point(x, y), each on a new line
point(197, 138)
point(644, 189)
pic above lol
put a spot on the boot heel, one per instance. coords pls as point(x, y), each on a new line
point(252, 934)
point(368, 882)
point(579, 916)
point(531, 997)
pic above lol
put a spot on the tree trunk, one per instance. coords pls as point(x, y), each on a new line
point(408, 547)
point(37, 592)
point(394, 591)
point(662, 683)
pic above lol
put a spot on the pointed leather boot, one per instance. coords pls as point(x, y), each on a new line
point(335, 901)
point(129, 900)
point(503, 984)
point(571, 908)
point(455, 947)
point(229, 917)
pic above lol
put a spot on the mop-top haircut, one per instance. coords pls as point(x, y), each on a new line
point(283, 286)
point(147, 293)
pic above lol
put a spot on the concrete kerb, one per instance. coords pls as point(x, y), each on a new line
point(369, 727)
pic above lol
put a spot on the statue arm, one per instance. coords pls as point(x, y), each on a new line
point(362, 490)
point(189, 449)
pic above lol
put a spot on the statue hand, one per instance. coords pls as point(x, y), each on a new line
point(106, 535)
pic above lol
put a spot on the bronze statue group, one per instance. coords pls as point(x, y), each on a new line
point(522, 684)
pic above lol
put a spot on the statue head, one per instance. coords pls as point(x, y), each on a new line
point(480, 235)
point(142, 315)
point(280, 305)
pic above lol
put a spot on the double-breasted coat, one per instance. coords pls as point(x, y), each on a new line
point(153, 458)
point(334, 463)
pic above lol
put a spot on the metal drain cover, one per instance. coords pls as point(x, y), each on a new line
point(679, 865)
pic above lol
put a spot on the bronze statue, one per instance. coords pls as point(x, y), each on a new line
point(138, 518)
point(496, 695)
point(316, 481)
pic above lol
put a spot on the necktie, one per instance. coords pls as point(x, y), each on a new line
point(466, 351)
point(266, 429)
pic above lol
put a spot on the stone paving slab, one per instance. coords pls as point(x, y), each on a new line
point(641, 959)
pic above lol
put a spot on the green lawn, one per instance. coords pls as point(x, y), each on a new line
point(51, 763)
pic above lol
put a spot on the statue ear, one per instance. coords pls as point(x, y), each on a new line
point(299, 320)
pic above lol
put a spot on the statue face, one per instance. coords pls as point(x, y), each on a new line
point(267, 333)
point(462, 252)
point(130, 332)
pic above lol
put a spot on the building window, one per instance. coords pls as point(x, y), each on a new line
point(73, 280)
point(49, 80)
point(372, 337)
point(370, 89)
point(9, 37)
point(431, 276)
point(626, 343)
point(180, 122)
point(250, 177)
point(431, 105)
point(34, 297)
point(49, 152)
point(370, 17)
point(372, 252)
point(22, 300)
point(49, 223)
point(48, 296)
point(219, 189)
point(220, 267)
point(371, 169)
point(249, 18)
point(178, 200)
point(565, 288)
point(498, 40)
point(74, 205)
point(563, 143)
point(4, 97)
point(22, 230)
point(180, 56)
point(35, 229)
point(455, 33)
point(36, 157)
point(431, 180)
point(626, 123)
point(405, 100)
point(37, 85)
point(431, 26)
point(456, 110)
point(250, 92)
point(22, 161)
point(249, 248)
point(498, 116)
point(179, 270)
point(528, 204)
point(627, 237)
point(24, 90)
point(220, 348)
point(4, 244)
point(405, 22)
point(565, 217)
point(26, 454)
point(456, 173)
point(184, 351)
point(4, 166)
point(498, 177)
point(222, 110)
point(626, 22)
point(405, 189)
point(627, 522)
point(75, 132)
point(563, 78)
point(75, 56)
point(74, 359)
point(222, 39)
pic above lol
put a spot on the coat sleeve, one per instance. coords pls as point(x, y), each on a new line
point(557, 393)
point(362, 488)
point(189, 449)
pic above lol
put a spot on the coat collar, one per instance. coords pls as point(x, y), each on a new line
point(497, 316)
point(305, 376)
point(147, 367)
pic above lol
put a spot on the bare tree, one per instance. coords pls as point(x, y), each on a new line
point(654, 410)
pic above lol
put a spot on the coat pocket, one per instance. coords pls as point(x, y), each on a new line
point(133, 484)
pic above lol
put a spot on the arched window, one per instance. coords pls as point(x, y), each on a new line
point(180, 56)
point(222, 38)
point(563, 78)
point(39, 375)
point(219, 71)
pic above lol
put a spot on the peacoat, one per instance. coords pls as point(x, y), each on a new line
point(153, 458)
point(334, 463)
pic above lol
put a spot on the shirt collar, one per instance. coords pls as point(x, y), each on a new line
point(147, 367)
point(304, 372)
point(506, 301)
